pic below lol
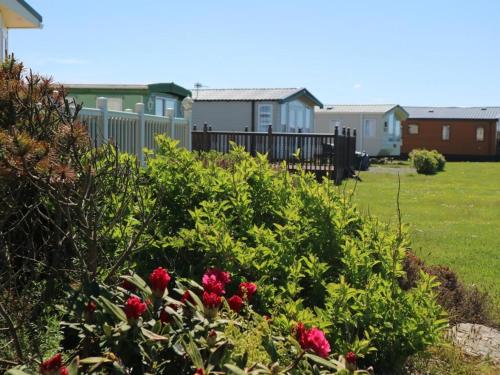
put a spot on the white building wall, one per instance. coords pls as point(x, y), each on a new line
point(3, 38)
point(380, 143)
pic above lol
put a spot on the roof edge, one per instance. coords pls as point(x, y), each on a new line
point(30, 9)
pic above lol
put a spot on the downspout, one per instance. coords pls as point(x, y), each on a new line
point(362, 132)
point(252, 127)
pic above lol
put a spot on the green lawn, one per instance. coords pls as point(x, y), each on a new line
point(454, 216)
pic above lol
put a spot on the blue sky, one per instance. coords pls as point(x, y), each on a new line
point(439, 52)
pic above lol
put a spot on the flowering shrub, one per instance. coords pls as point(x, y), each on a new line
point(314, 257)
point(128, 335)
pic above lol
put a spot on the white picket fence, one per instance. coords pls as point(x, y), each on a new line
point(134, 131)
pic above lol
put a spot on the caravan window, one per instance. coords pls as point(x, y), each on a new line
point(370, 127)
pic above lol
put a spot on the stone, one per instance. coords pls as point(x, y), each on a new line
point(477, 340)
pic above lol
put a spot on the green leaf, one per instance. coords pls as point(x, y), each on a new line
point(322, 361)
point(111, 308)
point(152, 336)
point(73, 366)
point(137, 281)
point(14, 371)
point(235, 370)
point(94, 360)
point(194, 353)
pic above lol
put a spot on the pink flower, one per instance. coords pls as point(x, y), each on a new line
point(214, 281)
point(247, 290)
point(53, 366)
point(211, 300)
point(350, 357)
point(313, 339)
point(134, 308)
point(235, 303)
point(159, 280)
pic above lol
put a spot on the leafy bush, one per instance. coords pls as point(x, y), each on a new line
point(427, 162)
point(314, 257)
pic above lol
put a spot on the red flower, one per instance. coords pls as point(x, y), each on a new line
point(91, 306)
point(134, 307)
point(165, 317)
point(247, 290)
point(186, 297)
point(199, 371)
point(159, 280)
point(53, 366)
point(214, 281)
point(313, 339)
point(235, 303)
point(127, 285)
point(350, 357)
point(211, 300)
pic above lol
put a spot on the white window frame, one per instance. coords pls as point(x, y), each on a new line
point(480, 134)
point(369, 131)
point(415, 127)
point(308, 123)
point(115, 104)
point(445, 132)
point(264, 125)
point(164, 100)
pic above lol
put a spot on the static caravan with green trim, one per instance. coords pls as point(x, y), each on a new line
point(157, 97)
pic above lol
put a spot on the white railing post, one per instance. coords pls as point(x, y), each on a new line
point(171, 118)
point(141, 131)
point(102, 105)
point(187, 106)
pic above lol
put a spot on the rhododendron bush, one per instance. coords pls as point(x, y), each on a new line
point(138, 330)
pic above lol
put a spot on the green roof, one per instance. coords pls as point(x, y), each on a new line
point(165, 88)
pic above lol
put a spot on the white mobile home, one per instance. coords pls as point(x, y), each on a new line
point(286, 110)
point(378, 126)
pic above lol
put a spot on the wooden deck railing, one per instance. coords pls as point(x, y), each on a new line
point(320, 153)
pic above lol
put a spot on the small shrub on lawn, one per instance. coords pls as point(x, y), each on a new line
point(427, 162)
point(464, 304)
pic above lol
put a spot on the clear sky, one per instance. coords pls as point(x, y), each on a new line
point(410, 52)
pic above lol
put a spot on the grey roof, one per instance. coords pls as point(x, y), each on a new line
point(357, 108)
point(454, 113)
point(262, 94)
point(243, 94)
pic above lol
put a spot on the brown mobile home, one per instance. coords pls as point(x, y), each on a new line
point(458, 133)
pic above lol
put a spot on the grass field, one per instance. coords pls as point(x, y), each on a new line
point(454, 216)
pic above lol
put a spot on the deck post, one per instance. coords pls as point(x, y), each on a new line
point(102, 105)
point(270, 143)
point(205, 137)
point(140, 131)
point(348, 151)
point(337, 156)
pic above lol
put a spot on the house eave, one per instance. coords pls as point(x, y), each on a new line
point(19, 14)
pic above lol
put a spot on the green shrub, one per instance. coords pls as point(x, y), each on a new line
point(427, 162)
point(314, 256)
